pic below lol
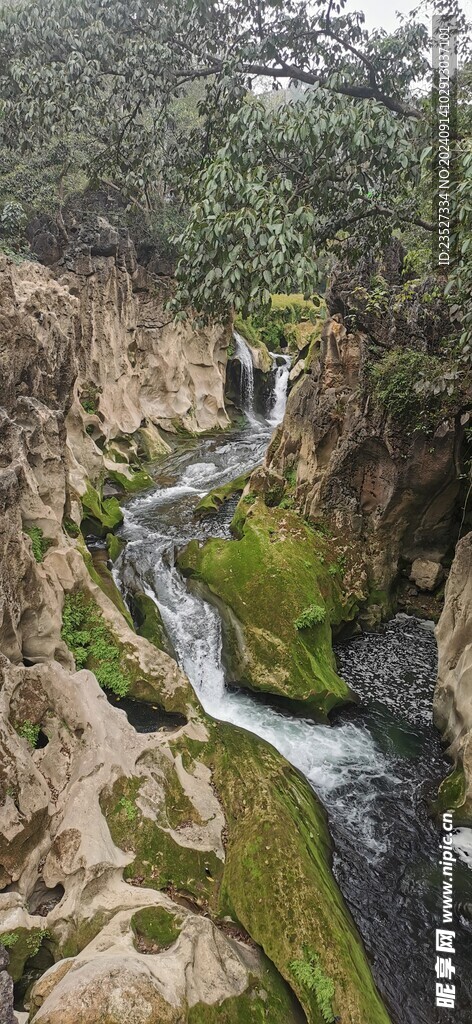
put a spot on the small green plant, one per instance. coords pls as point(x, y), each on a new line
point(333, 569)
point(28, 731)
point(89, 398)
point(39, 542)
point(70, 527)
point(311, 616)
point(129, 808)
point(9, 939)
point(291, 476)
point(93, 644)
point(309, 973)
point(287, 502)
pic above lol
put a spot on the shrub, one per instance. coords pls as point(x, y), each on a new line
point(394, 379)
point(309, 973)
point(93, 644)
point(28, 731)
point(39, 542)
point(311, 616)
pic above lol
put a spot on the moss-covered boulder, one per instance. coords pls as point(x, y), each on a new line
point(100, 515)
point(160, 861)
point(23, 944)
point(149, 623)
point(279, 594)
point(211, 503)
point(277, 880)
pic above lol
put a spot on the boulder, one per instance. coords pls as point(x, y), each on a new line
point(426, 574)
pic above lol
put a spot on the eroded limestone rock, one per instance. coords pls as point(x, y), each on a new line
point(426, 574)
point(453, 695)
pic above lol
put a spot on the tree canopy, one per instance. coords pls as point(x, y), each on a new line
point(276, 181)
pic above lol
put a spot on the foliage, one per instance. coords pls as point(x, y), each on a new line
point(93, 644)
point(39, 542)
point(9, 939)
point(310, 616)
point(129, 808)
point(70, 527)
point(396, 386)
point(310, 974)
point(89, 398)
point(263, 222)
point(29, 731)
point(103, 81)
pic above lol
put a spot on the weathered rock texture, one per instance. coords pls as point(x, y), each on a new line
point(61, 874)
point(391, 491)
point(453, 697)
point(99, 823)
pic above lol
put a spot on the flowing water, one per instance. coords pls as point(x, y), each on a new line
point(374, 769)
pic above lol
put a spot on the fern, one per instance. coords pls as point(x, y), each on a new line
point(310, 616)
point(310, 975)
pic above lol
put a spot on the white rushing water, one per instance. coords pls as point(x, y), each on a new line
point(333, 760)
point(243, 355)
point(370, 767)
point(281, 365)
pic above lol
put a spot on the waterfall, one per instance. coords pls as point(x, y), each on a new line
point(243, 355)
point(279, 397)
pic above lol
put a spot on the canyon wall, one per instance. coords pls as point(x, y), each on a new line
point(133, 883)
point(453, 697)
point(391, 491)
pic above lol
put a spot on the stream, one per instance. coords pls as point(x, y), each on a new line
point(375, 768)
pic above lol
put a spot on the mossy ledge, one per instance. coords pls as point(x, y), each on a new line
point(96, 646)
point(211, 503)
point(265, 584)
point(277, 880)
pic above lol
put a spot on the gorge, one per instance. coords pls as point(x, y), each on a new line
point(181, 870)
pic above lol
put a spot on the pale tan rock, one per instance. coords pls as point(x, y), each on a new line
point(427, 575)
point(453, 694)
point(54, 838)
point(202, 965)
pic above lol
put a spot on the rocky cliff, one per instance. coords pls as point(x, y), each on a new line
point(391, 489)
point(453, 697)
point(139, 874)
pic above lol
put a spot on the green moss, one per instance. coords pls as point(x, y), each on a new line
point(137, 480)
point(150, 624)
point(39, 542)
point(101, 575)
point(452, 796)
point(22, 945)
point(103, 515)
point(159, 861)
point(278, 882)
point(79, 935)
point(115, 546)
point(96, 647)
point(264, 582)
point(154, 925)
point(212, 502)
